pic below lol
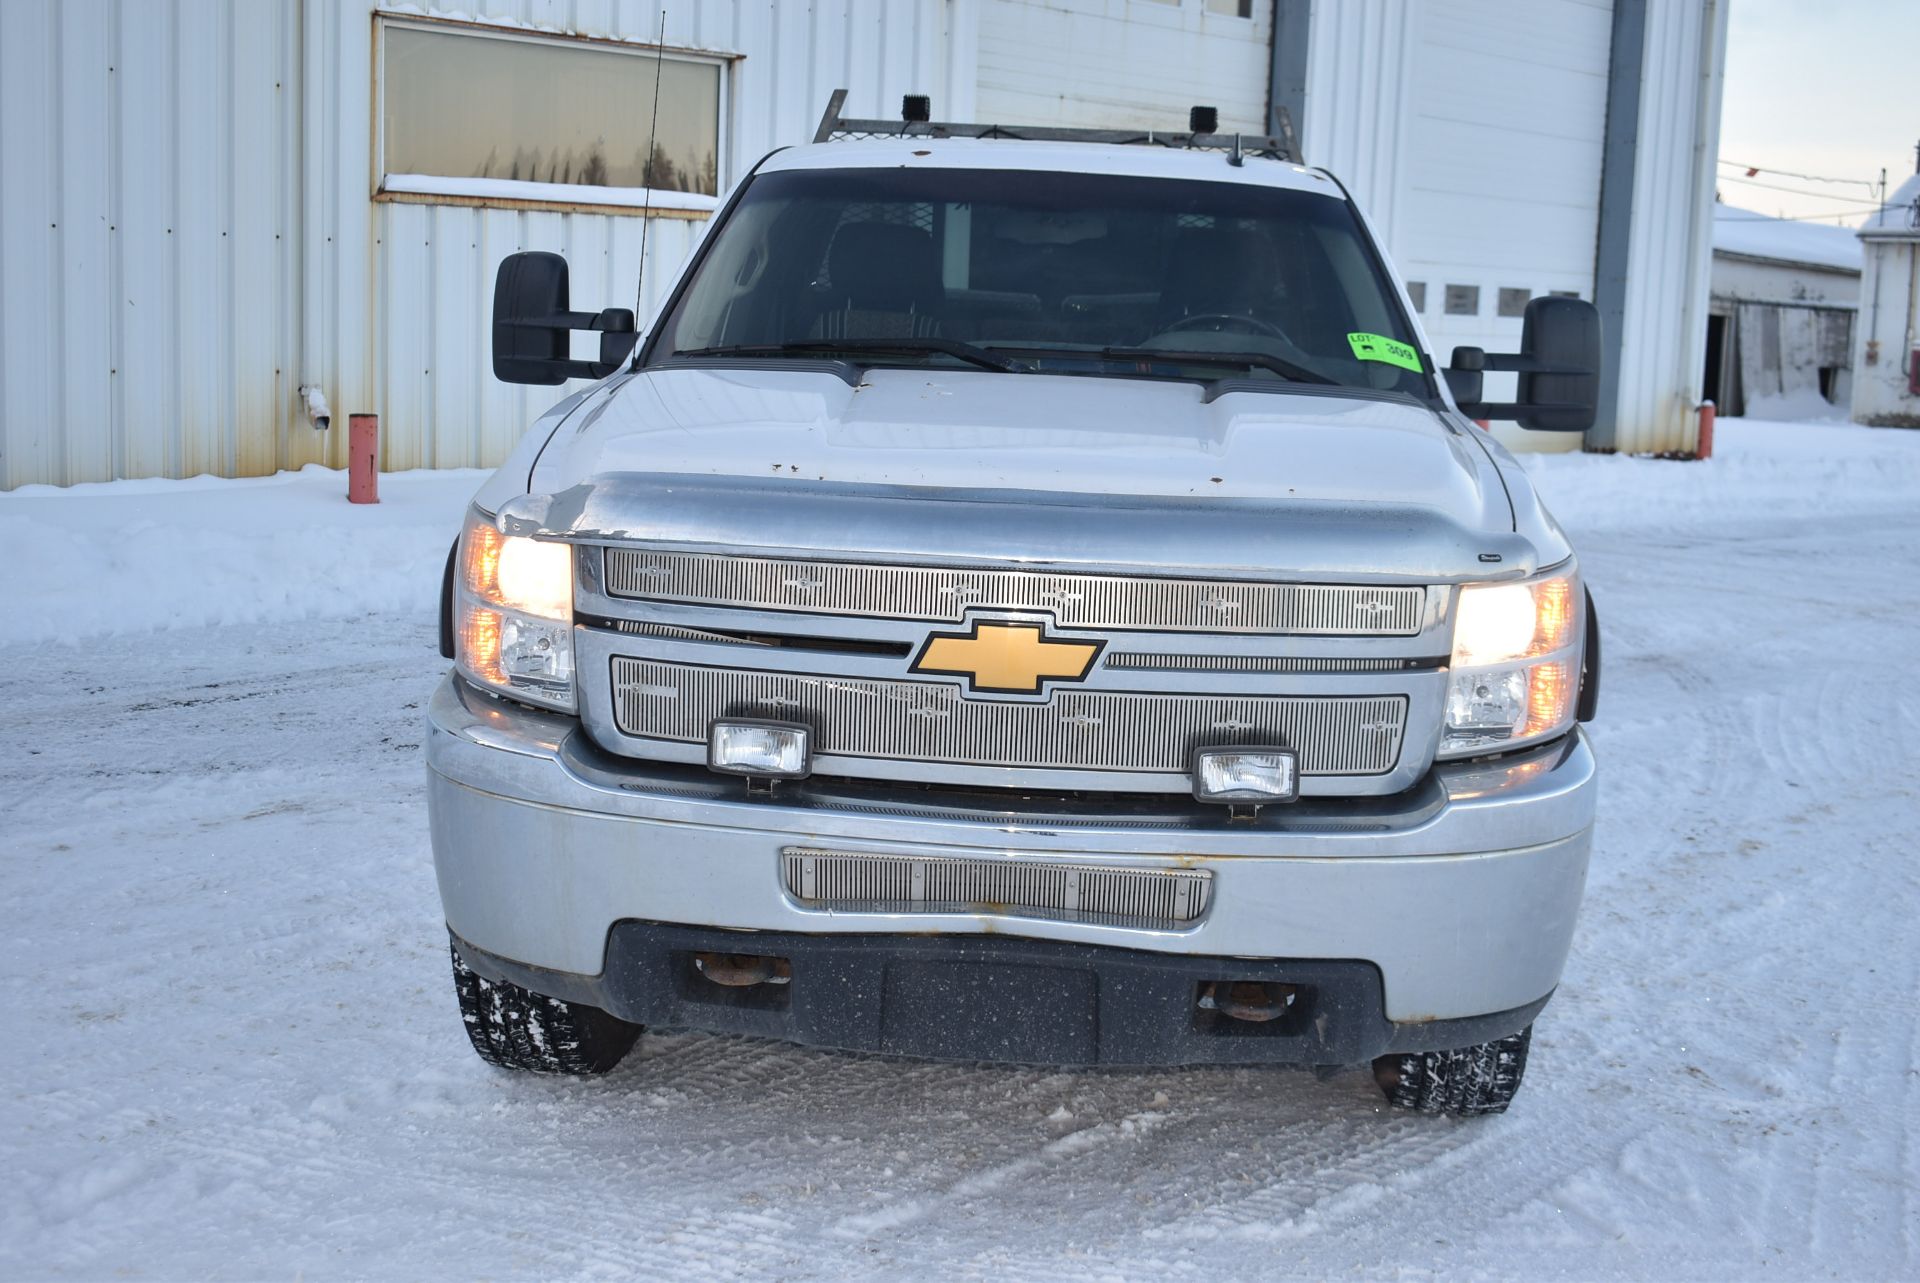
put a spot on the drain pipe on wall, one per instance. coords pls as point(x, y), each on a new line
point(315, 402)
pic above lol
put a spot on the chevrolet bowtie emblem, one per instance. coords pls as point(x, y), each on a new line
point(1009, 658)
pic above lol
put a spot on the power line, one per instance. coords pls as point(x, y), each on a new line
point(1812, 178)
point(1776, 187)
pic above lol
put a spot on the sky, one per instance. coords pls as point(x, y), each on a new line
point(1819, 87)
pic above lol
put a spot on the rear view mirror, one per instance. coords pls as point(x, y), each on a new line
point(1558, 364)
point(531, 323)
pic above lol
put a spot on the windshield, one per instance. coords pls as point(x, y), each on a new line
point(1063, 273)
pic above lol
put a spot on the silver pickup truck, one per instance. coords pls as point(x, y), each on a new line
point(1030, 596)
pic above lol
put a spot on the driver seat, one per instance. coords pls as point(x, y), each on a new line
point(1231, 270)
point(884, 280)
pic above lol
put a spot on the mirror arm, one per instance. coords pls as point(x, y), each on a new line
point(1514, 410)
point(1521, 363)
point(613, 325)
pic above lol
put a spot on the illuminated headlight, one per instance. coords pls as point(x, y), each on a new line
point(1516, 663)
point(1245, 775)
point(513, 612)
point(766, 750)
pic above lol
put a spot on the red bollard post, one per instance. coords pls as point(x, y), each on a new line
point(1704, 450)
point(363, 458)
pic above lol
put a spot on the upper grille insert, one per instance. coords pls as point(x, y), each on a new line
point(944, 594)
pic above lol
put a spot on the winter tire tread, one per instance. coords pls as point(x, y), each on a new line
point(515, 1028)
point(1467, 1082)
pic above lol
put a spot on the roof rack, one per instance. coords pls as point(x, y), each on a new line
point(1200, 135)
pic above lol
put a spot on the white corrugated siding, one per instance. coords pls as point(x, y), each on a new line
point(1670, 247)
point(146, 236)
point(1121, 63)
point(187, 231)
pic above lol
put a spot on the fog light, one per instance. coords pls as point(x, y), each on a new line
point(1246, 776)
point(767, 750)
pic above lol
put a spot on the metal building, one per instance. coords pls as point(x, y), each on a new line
point(1780, 316)
point(1886, 365)
point(207, 205)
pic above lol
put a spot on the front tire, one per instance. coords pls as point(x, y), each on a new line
point(1467, 1082)
point(515, 1028)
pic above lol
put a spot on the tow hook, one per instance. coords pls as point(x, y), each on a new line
point(1255, 1000)
point(743, 970)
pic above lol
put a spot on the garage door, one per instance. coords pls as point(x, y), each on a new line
point(1499, 192)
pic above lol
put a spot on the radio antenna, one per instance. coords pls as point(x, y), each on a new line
point(646, 174)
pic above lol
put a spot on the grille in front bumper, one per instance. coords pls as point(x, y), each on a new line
point(853, 881)
point(1076, 730)
point(944, 594)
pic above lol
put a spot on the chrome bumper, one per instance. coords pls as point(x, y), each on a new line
point(1463, 893)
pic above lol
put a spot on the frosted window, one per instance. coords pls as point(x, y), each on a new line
point(470, 104)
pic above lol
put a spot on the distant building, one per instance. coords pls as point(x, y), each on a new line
point(1780, 316)
point(1886, 388)
point(210, 206)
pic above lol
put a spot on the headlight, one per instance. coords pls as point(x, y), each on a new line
point(513, 614)
point(1516, 663)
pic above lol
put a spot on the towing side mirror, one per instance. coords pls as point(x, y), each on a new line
point(1558, 364)
point(531, 322)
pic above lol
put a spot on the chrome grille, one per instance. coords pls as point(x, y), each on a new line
point(851, 881)
point(944, 594)
point(1151, 662)
point(1077, 729)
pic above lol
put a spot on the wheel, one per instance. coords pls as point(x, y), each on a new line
point(1481, 1079)
point(516, 1028)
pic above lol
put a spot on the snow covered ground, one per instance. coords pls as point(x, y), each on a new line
point(232, 1050)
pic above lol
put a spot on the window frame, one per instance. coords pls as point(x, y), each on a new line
point(447, 190)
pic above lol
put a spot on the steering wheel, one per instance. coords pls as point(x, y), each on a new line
point(1228, 322)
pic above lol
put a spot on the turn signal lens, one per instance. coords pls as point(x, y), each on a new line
point(1549, 697)
point(480, 644)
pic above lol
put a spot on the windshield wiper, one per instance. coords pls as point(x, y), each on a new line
point(1256, 360)
point(849, 347)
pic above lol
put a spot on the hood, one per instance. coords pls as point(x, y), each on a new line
point(1093, 474)
point(1063, 435)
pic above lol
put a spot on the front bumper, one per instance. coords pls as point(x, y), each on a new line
point(1460, 895)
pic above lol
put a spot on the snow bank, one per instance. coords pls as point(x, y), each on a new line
point(1810, 469)
point(1801, 403)
point(128, 556)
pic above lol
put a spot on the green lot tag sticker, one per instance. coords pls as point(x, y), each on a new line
point(1378, 347)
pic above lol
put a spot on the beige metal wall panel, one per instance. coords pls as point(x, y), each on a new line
point(144, 237)
point(188, 229)
point(1121, 63)
point(82, 183)
point(1670, 245)
point(32, 377)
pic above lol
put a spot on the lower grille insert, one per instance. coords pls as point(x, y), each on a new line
point(1076, 730)
point(849, 881)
